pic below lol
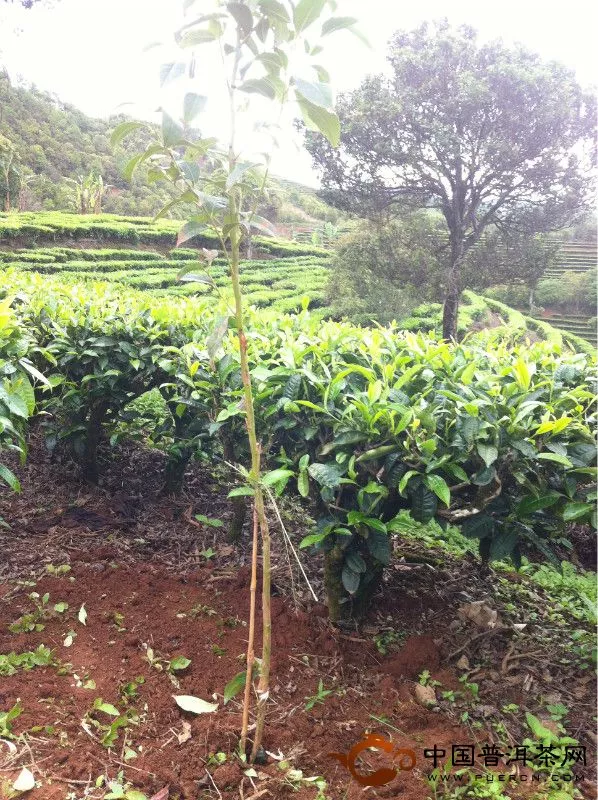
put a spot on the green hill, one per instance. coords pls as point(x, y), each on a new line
point(56, 142)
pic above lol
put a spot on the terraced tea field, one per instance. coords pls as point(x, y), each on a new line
point(278, 282)
point(140, 254)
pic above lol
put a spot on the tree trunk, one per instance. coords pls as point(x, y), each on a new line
point(333, 567)
point(235, 528)
point(450, 312)
point(97, 415)
point(174, 472)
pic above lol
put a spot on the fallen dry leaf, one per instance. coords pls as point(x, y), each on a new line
point(185, 734)
point(162, 794)
point(480, 614)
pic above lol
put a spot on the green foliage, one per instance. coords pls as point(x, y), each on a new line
point(319, 697)
point(10, 663)
point(491, 434)
point(56, 143)
point(574, 292)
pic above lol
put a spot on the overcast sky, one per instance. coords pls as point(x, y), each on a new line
point(91, 52)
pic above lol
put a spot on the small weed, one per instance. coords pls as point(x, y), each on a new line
point(218, 651)
point(425, 679)
point(35, 620)
point(109, 730)
point(6, 720)
point(202, 609)
point(128, 691)
point(473, 688)
point(319, 697)
point(209, 521)
point(450, 695)
point(119, 620)
point(216, 759)
point(62, 569)
point(119, 788)
point(297, 780)
point(13, 662)
point(558, 712)
point(384, 641)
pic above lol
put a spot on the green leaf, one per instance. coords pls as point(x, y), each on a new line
point(172, 131)
point(106, 708)
point(234, 686)
point(406, 478)
point(350, 579)
point(193, 105)
point(276, 476)
point(337, 24)
point(480, 526)
point(306, 13)
point(440, 488)
point(531, 504)
point(264, 86)
point(241, 491)
point(488, 453)
point(423, 504)
point(237, 173)
point(243, 17)
point(189, 231)
point(319, 94)
point(303, 483)
point(10, 478)
point(313, 538)
point(355, 562)
point(503, 545)
point(328, 475)
point(556, 458)
point(320, 119)
point(180, 662)
point(216, 337)
point(378, 544)
point(377, 452)
point(275, 10)
point(172, 71)
point(196, 37)
point(576, 510)
point(541, 733)
point(123, 130)
point(541, 545)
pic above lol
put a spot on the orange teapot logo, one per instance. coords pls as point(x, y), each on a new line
point(384, 775)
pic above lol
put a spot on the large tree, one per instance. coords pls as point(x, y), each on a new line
point(486, 134)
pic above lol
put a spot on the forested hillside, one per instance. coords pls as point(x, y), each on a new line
point(56, 144)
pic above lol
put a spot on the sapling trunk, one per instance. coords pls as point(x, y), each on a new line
point(251, 638)
point(255, 474)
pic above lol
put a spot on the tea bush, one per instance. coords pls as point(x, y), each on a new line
point(494, 434)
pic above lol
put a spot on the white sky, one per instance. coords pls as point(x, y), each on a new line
point(90, 52)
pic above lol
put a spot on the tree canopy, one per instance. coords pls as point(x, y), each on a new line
point(486, 134)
